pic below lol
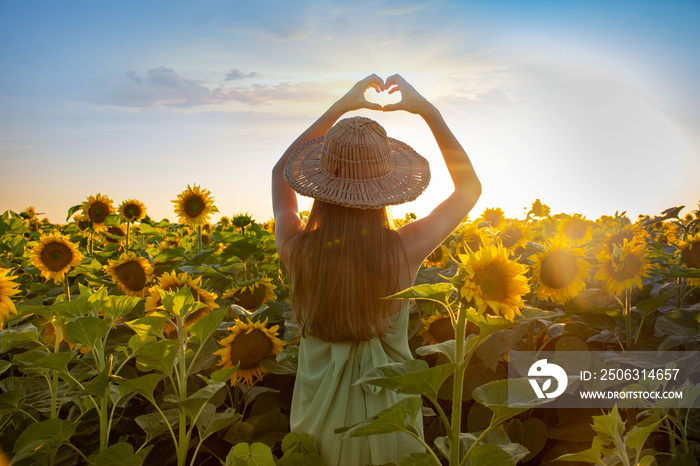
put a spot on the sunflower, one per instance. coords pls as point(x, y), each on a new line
point(493, 281)
point(131, 273)
point(471, 239)
point(624, 267)
point(194, 206)
point(132, 210)
point(514, 235)
point(29, 213)
point(114, 234)
point(8, 287)
point(54, 255)
point(248, 344)
point(96, 209)
point(81, 222)
point(576, 228)
point(493, 216)
point(252, 294)
point(539, 209)
point(174, 282)
point(618, 237)
point(438, 258)
point(560, 271)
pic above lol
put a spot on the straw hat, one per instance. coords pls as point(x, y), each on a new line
point(356, 165)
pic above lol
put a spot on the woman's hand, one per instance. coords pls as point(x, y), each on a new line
point(411, 101)
point(355, 97)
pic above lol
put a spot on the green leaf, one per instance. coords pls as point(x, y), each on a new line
point(223, 375)
point(530, 433)
point(58, 361)
point(120, 454)
point(159, 355)
point(490, 455)
point(144, 385)
point(97, 386)
point(412, 377)
point(117, 307)
point(180, 304)
point(505, 401)
point(193, 403)
point(637, 435)
point(591, 455)
point(208, 324)
point(218, 421)
point(45, 436)
point(147, 230)
point(446, 347)
point(684, 459)
point(651, 304)
point(154, 424)
point(488, 324)
point(78, 307)
point(648, 460)
point(148, 326)
point(401, 417)
point(73, 210)
point(609, 425)
point(438, 292)
point(418, 459)
point(257, 454)
point(86, 330)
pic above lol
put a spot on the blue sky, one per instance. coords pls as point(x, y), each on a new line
point(590, 106)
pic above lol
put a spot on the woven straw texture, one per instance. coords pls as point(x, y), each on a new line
point(356, 165)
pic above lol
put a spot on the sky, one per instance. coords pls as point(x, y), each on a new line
point(591, 106)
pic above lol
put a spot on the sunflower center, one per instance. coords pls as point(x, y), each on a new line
point(131, 275)
point(493, 219)
point(131, 211)
point(442, 330)
point(492, 283)
point(98, 212)
point(627, 269)
point(558, 269)
point(691, 256)
point(618, 239)
point(575, 229)
point(194, 206)
point(473, 241)
point(510, 237)
point(56, 256)
point(250, 297)
point(250, 348)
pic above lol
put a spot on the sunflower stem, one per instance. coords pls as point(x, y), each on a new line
point(458, 380)
point(199, 239)
point(66, 288)
point(628, 317)
point(128, 228)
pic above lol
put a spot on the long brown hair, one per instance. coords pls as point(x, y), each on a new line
point(342, 264)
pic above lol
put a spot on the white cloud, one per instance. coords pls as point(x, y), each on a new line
point(164, 87)
point(235, 74)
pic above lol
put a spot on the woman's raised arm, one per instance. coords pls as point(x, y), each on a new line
point(284, 201)
point(424, 235)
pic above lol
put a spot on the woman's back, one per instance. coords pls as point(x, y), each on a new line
point(342, 262)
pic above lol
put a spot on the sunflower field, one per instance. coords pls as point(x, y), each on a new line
point(130, 341)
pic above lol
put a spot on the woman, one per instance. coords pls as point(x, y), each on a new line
point(347, 257)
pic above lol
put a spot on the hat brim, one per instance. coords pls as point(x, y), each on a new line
point(410, 177)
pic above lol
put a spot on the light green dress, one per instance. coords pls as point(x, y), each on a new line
point(326, 396)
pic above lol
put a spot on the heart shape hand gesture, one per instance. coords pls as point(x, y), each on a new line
point(411, 101)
